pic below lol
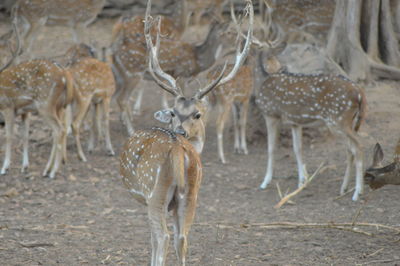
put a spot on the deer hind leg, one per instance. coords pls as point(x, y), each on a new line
point(83, 105)
point(78, 33)
point(57, 148)
point(272, 127)
point(138, 103)
point(106, 110)
point(9, 117)
point(356, 150)
point(159, 234)
point(93, 133)
point(349, 168)
point(223, 114)
point(236, 118)
point(298, 147)
point(25, 133)
point(126, 90)
point(242, 126)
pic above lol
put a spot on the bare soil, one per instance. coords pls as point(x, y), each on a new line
point(86, 217)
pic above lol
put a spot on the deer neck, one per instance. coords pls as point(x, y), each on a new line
point(181, 17)
point(197, 139)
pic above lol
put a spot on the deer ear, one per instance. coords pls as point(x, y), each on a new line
point(164, 116)
point(378, 156)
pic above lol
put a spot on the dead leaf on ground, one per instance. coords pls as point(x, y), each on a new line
point(12, 192)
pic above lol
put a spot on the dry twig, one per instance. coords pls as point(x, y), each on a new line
point(299, 189)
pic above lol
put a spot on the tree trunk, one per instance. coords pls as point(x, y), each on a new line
point(363, 39)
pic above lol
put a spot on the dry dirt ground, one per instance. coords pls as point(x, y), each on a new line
point(86, 217)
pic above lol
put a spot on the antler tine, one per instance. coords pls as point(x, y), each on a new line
point(201, 93)
point(254, 40)
point(15, 53)
point(154, 65)
point(241, 56)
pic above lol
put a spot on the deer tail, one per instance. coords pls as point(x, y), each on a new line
point(69, 87)
point(177, 161)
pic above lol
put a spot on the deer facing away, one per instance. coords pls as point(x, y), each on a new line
point(94, 86)
point(313, 100)
point(378, 175)
point(40, 86)
point(162, 167)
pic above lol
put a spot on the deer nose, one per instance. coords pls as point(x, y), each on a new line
point(181, 131)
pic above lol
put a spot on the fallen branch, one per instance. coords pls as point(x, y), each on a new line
point(299, 189)
point(35, 244)
point(290, 225)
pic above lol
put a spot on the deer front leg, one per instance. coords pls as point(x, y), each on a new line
point(348, 173)
point(242, 126)
point(160, 235)
point(106, 111)
point(236, 119)
point(31, 35)
point(129, 84)
point(272, 127)
point(78, 33)
point(25, 133)
point(355, 148)
point(298, 147)
point(9, 117)
point(224, 110)
point(83, 105)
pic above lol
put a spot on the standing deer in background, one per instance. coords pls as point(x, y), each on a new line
point(378, 175)
point(128, 48)
point(311, 100)
point(40, 86)
point(93, 85)
point(177, 58)
point(234, 94)
point(77, 14)
point(162, 167)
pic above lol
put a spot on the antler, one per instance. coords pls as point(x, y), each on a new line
point(154, 65)
point(15, 53)
point(266, 29)
point(240, 56)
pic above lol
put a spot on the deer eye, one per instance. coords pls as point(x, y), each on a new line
point(197, 116)
point(172, 114)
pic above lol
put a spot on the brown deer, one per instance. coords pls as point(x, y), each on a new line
point(313, 100)
point(177, 58)
point(234, 95)
point(162, 167)
point(93, 85)
point(378, 175)
point(35, 86)
point(77, 14)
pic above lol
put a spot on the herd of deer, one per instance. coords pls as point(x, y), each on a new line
point(161, 167)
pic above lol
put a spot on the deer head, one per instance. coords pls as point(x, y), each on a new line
point(378, 175)
point(186, 116)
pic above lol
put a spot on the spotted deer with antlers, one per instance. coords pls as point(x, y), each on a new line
point(34, 14)
point(177, 58)
point(162, 167)
point(35, 86)
point(313, 100)
point(377, 175)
